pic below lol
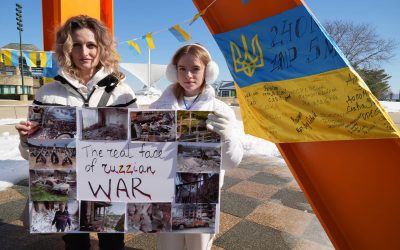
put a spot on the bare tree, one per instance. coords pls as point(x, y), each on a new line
point(361, 44)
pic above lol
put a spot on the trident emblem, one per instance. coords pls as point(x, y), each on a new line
point(247, 63)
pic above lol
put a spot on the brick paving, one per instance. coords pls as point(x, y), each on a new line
point(262, 207)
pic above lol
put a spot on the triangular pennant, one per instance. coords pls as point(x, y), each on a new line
point(179, 33)
point(197, 16)
point(135, 46)
point(149, 40)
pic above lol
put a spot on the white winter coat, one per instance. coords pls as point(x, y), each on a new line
point(73, 94)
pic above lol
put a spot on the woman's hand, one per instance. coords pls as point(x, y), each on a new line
point(24, 128)
point(221, 124)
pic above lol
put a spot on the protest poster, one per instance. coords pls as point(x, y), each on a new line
point(122, 170)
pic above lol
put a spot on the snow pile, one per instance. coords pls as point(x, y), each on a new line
point(255, 146)
point(13, 168)
point(10, 121)
point(391, 106)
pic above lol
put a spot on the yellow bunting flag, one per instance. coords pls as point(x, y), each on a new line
point(135, 46)
point(179, 33)
point(43, 59)
point(149, 40)
point(10, 57)
point(197, 16)
point(33, 59)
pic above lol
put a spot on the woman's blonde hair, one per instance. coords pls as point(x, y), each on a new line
point(108, 56)
point(196, 50)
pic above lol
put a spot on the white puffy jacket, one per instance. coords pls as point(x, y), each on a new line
point(73, 93)
point(70, 92)
point(232, 150)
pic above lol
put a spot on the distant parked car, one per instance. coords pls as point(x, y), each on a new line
point(189, 223)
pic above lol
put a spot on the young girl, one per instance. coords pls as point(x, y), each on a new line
point(191, 72)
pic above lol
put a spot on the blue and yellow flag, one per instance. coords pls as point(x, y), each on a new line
point(197, 16)
point(30, 58)
point(134, 46)
point(50, 72)
point(10, 57)
point(1, 56)
point(293, 82)
point(179, 33)
point(149, 40)
point(46, 59)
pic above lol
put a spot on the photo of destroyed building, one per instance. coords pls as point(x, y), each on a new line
point(52, 185)
point(104, 124)
point(153, 126)
point(49, 123)
point(197, 158)
point(197, 187)
point(191, 127)
point(100, 216)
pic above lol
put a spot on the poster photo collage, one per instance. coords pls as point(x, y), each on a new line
point(120, 170)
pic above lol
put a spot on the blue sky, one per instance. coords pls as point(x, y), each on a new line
point(134, 18)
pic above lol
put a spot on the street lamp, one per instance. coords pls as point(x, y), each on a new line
point(18, 13)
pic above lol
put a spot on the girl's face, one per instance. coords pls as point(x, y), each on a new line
point(190, 74)
point(85, 52)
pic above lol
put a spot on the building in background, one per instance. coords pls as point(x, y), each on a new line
point(227, 89)
point(10, 76)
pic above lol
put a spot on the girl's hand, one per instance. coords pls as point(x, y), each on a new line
point(221, 124)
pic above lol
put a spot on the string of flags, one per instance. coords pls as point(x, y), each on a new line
point(9, 57)
point(176, 30)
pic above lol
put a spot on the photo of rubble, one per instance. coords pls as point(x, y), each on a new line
point(191, 127)
point(199, 157)
point(100, 216)
point(59, 156)
point(53, 217)
point(104, 124)
point(50, 123)
point(153, 126)
point(52, 185)
point(149, 217)
point(193, 218)
point(197, 187)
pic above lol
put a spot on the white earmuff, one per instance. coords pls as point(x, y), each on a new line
point(211, 71)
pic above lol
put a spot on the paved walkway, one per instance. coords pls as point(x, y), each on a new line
point(262, 207)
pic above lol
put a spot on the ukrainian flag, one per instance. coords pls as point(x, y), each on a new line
point(293, 82)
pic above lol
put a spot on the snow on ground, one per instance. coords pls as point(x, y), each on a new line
point(10, 121)
point(391, 106)
point(13, 167)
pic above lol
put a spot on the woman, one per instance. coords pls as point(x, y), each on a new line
point(89, 77)
point(192, 71)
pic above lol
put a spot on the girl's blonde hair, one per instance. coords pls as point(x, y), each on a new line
point(196, 50)
point(109, 57)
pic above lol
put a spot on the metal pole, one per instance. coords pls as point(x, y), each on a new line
point(21, 63)
point(149, 74)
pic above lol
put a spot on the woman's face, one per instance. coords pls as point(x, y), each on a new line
point(85, 52)
point(190, 74)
